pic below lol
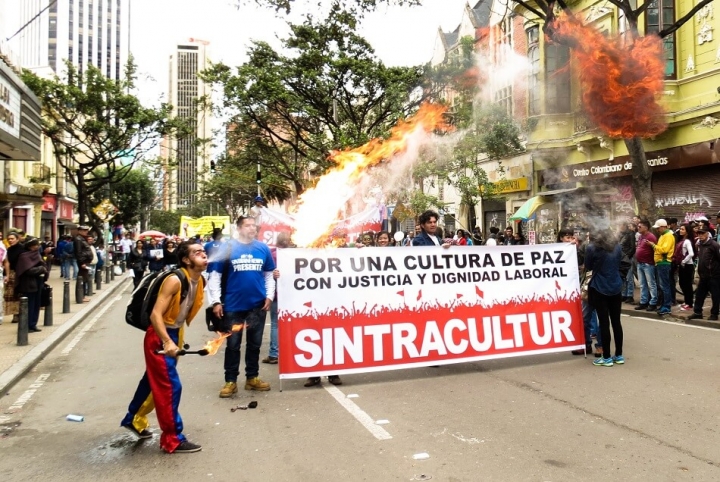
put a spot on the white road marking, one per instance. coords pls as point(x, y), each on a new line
point(27, 395)
point(87, 327)
point(362, 417)
point(656, 320)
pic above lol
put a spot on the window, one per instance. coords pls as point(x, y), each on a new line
point(659, 15)
point(557, 79)
point(533, 37)
point(504, 98)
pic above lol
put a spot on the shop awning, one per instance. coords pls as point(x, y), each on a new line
point(527, 210)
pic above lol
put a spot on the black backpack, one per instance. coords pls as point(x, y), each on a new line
point(142, 300)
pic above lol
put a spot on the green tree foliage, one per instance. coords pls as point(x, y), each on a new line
point(167, 222)
point(326, 91)
point(233, 185)
point(359, 5)
point(134, 194)
point(94, 122)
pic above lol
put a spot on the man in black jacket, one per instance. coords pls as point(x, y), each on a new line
point(84, 256)
point(709, 275)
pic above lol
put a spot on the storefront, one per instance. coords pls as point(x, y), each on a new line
point(65, 216)
point(47, 216)
point(685, 184)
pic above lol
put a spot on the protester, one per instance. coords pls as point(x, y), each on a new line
point(137, 262)
point(493, 238)
point(160, 387)
point(663, 252)
point(477, 237)
point(508, 240)
point(92, 266)
point(645, 256)
point(3, 255)
point(683, 258)
point(154, 255)
point(170, 255)
point(126, 245)
point(282, 242)
point(11, 300)
point(429, 234)
point(603, 257)
point(708, 273)
point(30, 275)
point(83, 256)
point(212, 247)
point(368, 238)
point(629, 246)
point(460, 238)
point(247, 291)
point(518, 239)
point(383, 239)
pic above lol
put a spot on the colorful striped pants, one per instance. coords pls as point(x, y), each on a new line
point(159, 389)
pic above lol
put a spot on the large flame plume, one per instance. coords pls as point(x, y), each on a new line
point(620, 83)
point(319, 206)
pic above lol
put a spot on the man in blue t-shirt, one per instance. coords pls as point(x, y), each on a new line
point(244, 282)
point(211, 248)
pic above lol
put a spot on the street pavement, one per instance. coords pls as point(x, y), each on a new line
point(540, 418)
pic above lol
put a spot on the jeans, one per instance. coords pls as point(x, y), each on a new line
point(705, 285)
point(608, 310)
point(629, 285)
point(254, 325)
point(590, 324)
point(666, 285)
point(686, 272)
point(274, 329)
point(646, 274)
point(70, 263)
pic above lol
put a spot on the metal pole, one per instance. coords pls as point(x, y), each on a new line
point(112, 275)
point(122, 265)
point(107, 274)
point(66, 296)
point(48, 319)
point(89, 284)
point(98, 279)
point(22, 334)
point(79, 289)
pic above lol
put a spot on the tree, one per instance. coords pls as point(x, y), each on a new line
point(234, 185)
point(619, 52)
point(96, 123)
point(328, 92)
point(134, 194)
point(164, 221)
point(361, 5)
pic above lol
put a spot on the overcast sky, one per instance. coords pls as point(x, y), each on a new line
point(400, 35)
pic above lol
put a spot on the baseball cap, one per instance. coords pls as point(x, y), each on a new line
point(701, 218)
point(83, 227)
point(702, 229)
point(660, 223)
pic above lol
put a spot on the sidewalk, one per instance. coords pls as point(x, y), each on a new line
point(676, 315)
point(16, 361)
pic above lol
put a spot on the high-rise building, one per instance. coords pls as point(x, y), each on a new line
point(86, 32)
point(188, 159)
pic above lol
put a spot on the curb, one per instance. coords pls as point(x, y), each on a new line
point(13, 374)
point(677, 318)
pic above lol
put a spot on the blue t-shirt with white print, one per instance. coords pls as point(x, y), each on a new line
point(247, 265)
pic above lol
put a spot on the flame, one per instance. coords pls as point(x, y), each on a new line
point(318, 210)
point(620, 83)
point(213, 346)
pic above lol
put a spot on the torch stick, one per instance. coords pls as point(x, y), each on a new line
point(202, 352)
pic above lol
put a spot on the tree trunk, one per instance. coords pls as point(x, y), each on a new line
point(641, 179)
point(82, 196)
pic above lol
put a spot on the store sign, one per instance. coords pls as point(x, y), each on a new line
point(511, 185)
point(49, 202)
point(692, 155)
point(66, 210)
point(9, 108)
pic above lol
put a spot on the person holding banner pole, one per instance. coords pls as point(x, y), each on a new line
point(603, 258)
point(282, 242)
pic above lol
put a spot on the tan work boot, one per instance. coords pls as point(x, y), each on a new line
point(256, 384)
point(228, 390)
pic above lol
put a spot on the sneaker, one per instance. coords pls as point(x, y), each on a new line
point(618, 360)
point(228, 390)
point(651, 308)
point(713, 317)
point(695, 316)
point(256, 384)
point(187, 447)
point(271, 360)
point(663, 312)
point(629, 300)
point(603, 362)
point(312, 381)
point(145, 434)
point(641, 307)
point(685, 307)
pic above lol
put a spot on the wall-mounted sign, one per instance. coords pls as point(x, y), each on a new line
point(511, 185)
point(9, 108)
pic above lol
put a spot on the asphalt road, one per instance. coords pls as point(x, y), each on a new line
point(542, 418)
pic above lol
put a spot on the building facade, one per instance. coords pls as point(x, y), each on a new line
point(188, 159)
